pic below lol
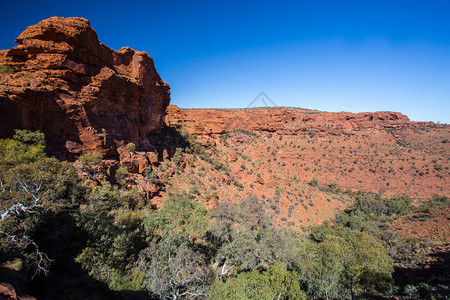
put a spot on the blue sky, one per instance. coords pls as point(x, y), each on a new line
point(327, 55)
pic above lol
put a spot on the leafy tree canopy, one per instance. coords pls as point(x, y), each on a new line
point(275, 283)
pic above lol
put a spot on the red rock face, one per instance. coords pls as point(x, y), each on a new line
point(281, 120)
point(8, 292)
point(83, 95)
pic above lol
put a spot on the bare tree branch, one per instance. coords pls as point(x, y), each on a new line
point(41, 263)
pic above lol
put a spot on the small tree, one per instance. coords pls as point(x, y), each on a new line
point(245, 239)
point(122, 175)
point(178, 156)
point(115, 236)
point(174, 266)
point(367, 265)
point(345, 266)
point(275, 283)
point(30, 138)
point(88, 163)
point(32, 187)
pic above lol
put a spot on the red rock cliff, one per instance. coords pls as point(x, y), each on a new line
point(83, 95)
point(281, 120)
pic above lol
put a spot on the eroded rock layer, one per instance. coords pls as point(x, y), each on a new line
point(283, 120)
point(83, 95)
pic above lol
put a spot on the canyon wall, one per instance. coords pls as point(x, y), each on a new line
point(284, 120)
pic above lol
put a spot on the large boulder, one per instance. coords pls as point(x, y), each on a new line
point(84, 96)
point(7, 292)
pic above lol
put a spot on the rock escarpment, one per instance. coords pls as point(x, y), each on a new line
point(286, 120)
point(275, 148)
point(83, 95)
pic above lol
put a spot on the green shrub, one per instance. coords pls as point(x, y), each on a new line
point(122, 175)
point(382, 206)
point(149, 174)
point(30, 138)
point(238, 184)
point(5, 69)
point(178, 156)
point(314, 182)
point(131, 147)
point(14, 152)
point(91, 158)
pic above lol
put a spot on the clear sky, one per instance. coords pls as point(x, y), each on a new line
point(327, 55)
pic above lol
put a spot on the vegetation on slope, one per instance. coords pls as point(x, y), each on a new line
point(63, 239)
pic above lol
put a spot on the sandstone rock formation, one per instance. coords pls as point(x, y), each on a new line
point(281, 120)
point(7, 292)
point(83, 95)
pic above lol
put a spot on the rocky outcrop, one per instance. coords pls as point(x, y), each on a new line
point(280, 120)
point(83, 95)
point(7, 292)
